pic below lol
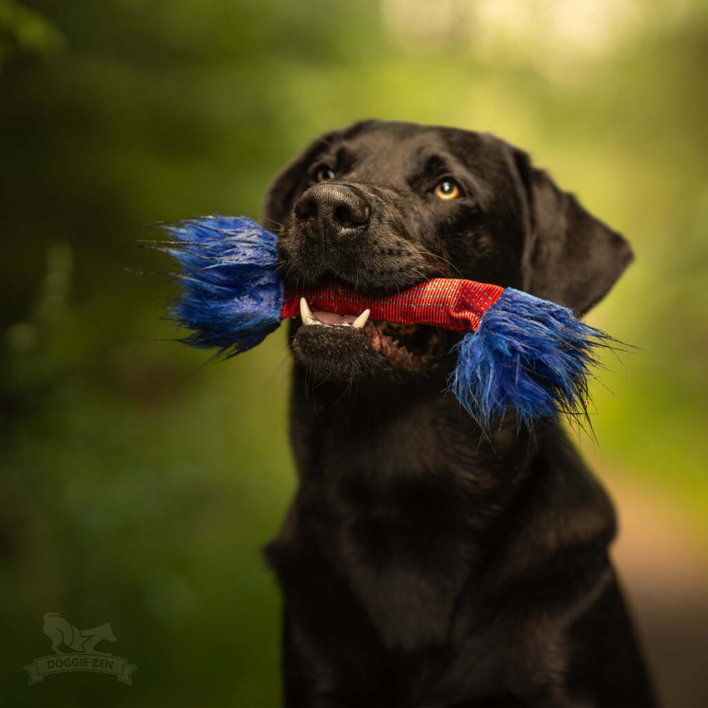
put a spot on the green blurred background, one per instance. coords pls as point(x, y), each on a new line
point(138, 481)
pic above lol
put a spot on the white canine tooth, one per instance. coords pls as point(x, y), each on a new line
point(360, 321)
point(305, 311)
point(306, 314)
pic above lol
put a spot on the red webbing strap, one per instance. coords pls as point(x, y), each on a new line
point(443, 302)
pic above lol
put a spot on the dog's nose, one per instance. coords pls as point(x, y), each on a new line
point(340, 210)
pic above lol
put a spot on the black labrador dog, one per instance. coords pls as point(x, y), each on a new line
point(423, 563)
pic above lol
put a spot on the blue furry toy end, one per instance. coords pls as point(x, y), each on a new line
point(530, 355)
point(232, 291)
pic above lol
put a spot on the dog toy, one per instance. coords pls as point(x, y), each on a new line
point(520, 352)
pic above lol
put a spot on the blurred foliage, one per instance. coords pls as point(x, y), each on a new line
point(25, 31)
point(137, 485)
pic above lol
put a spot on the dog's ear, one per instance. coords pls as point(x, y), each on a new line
point(571, 257)
point(280, 197)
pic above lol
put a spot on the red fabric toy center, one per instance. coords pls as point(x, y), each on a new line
point(453, 304)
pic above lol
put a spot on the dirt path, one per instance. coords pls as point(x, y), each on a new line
point(664, 567)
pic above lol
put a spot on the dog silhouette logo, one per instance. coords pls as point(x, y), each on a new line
point(61, 632)
point(75, 650)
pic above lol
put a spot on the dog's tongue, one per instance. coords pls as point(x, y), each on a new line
point(332, 318)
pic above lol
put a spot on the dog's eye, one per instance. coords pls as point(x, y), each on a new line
point(325, 174)
point(447, 189)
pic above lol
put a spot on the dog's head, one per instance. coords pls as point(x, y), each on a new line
point(382, 206)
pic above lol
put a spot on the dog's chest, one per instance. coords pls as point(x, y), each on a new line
point(404, 546)
point(406, 574)
point(386, 506)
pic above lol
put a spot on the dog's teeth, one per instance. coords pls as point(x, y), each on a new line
point(305, 311)
point(360, 321)
point(306, 314)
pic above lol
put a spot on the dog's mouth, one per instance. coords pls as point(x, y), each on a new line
point(341, 346)
point(407, 347)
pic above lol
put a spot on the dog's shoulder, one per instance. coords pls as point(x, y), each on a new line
point(559, 527)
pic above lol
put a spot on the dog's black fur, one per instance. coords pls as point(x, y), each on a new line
point(421, 563)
